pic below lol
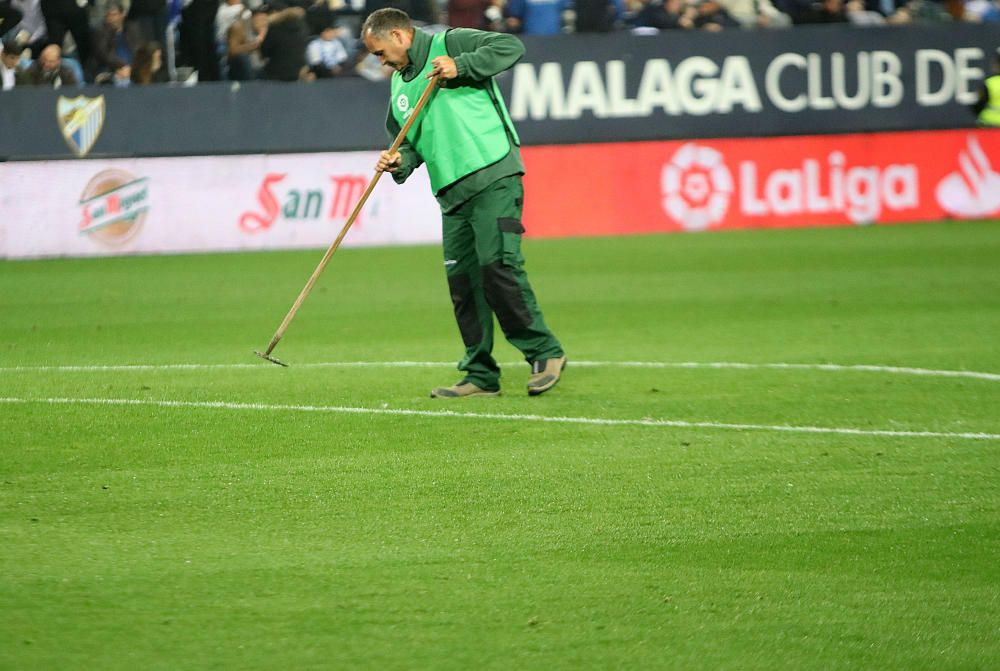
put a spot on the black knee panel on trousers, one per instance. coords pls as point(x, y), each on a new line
point(503, 293)
point(465, 309)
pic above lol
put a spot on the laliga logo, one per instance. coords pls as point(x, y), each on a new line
point(697, 187)
point(403, 104)
point(973, 191)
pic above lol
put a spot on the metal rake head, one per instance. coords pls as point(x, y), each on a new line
point(270, 358)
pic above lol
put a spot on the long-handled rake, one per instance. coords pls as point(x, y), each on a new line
point(266, 354)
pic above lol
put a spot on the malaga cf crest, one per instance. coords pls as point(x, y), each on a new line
point(80, 120)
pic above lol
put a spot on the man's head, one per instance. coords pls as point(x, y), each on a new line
point(114, 17)
point(50, 58)
point(387, 34)
point(10, 56)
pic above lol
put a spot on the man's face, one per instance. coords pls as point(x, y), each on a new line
point(50, 58)
point(10, 59)
point(114, 18)
point(391, 48)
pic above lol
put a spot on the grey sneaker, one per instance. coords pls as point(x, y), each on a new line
point(545, 373)
point(462, 390)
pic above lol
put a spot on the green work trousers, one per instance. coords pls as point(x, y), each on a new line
point(485, 269)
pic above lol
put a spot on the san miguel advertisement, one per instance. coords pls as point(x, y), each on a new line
point(198, 204)
point(201, 204)
point(645, 187)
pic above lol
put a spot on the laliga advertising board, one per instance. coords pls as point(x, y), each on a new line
point(643, 187)
point(199, 204)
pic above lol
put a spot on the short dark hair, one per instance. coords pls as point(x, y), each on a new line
point(381, 21)
point(11, 47)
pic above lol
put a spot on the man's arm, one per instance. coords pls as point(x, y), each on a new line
point(479, 54)
point(405, 161)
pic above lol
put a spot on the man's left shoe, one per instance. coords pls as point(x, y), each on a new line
point(545, 373)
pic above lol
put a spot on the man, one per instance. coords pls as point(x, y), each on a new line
point(62, 16)
point(535, 17)
point(987, 108)
point(243, 40)
point(284, 46)
point(465, 136)
point(10, 73)
point(10, 16)
point(49, 71)
point(326, 55)
point(115, 43)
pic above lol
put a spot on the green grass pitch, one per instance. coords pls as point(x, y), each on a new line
point(298, 518)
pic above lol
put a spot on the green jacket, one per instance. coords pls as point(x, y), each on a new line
point(478, 55)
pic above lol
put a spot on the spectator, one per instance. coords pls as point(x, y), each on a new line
point(49, 70)
point(243, 46)
point(756, 13)
point(150, 17)
point(467, 13)
point(147, 67)
point(598, 16)
point(709, 15)
point(62, 16)
point(421, 11)
point(284, 46)
point(326, 55)
point(794, 9)
point(885, 8)
point(920, 11)
point(32, 23)
point(229, 13)
point(10, 72)
point(664, 15)
point(981, 11)
point(10, 16)
point(535, 17)
point(858, 15)
point(114, 42)
point(493, 18)
point(987, 107)
point(197, 39)
point(828, 11)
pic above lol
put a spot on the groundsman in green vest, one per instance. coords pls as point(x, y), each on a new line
point(988, 106)
point(465, 137)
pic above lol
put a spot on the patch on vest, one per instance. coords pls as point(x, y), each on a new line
point(403, 105)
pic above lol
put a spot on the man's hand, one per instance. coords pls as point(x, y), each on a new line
point(389, 162)
point(444, 66)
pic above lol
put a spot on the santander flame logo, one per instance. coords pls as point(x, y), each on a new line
point(973, 191)
point(697, 187)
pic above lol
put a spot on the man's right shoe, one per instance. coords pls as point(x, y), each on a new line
point(545, 373)
point(463, 389)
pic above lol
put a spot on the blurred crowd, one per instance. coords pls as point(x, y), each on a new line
point(136, 42)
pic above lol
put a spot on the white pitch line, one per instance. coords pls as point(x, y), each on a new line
point(598, 421)
point(735, 365)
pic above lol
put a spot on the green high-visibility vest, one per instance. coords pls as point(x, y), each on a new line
point(990, 116)
point(458, 131)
